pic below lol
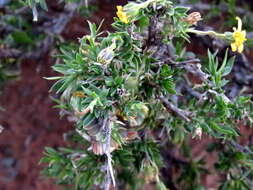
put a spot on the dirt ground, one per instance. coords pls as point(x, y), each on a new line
point(30, 123)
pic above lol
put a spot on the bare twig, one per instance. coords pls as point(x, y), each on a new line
point(107, 149)
point(224, 97)
point(193, 92)
point(192, 65)
point(7, 53)
point(195, 69)
point(170, 61)
point(239, 147)
point(185, 115)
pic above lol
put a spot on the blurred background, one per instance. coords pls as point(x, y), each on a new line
point(27, 116)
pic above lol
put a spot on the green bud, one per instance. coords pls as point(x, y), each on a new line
point(131, 83)
point(228, 37)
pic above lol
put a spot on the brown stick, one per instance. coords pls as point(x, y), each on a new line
point(180, 113)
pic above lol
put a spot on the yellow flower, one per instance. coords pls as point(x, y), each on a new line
point(121, 14)
point(239, 37)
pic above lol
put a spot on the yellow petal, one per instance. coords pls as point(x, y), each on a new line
point(240, 48)
point(235, 34)
point(239, 23)
point(233, 47)
point(120, 8)
point(119, 14)
point(244, 34)
point(122, 16)
point(124, 19)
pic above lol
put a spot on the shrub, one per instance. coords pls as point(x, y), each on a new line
point(130, 97)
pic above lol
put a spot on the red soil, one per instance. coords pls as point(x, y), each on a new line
point(30, 123)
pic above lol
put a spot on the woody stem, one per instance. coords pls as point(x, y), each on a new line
point(204, 33)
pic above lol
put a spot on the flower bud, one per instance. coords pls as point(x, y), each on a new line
point(106, 55)
point(83, 113)
point(131, 135)
point(97, 148)
point(114, 146)
point(198, 132)
point(145, 109)
point(193, 18)
point(79, 94)
point(132, 121)
point(132, 9)
point(131, 83)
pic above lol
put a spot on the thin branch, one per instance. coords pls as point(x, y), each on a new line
point(185, 115)
point(107, 149)
point(192, 65)
point(196, 70)
point(194, 93)
point(239, 147)
point(170, 61)
point(7, 53)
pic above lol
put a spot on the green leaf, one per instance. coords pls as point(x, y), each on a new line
point(51, 151)
point(213, 64)
point(224, 62)
point(166, 71)
point(88, 119)
point(53, 78)
point(93, 29)
point(43, 5)
point(229, 66)
point(169, 86)
point(223, 129)
point(66, 83)
point(143, 22)
point(22, 37)
point(57, 85)
point(181, 10)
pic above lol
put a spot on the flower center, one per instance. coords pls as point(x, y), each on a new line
point(239, 37)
